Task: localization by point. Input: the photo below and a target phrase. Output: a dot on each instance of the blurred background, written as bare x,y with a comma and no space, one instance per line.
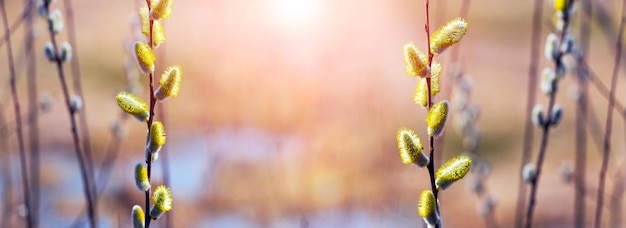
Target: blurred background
289,109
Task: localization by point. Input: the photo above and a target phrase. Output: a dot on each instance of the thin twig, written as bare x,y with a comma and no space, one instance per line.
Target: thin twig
28,9
558,62
618,192
33,112
590,117
581,130
606,24
91,204
604,91
7,196
431,139
9,124
104,175
77,84
535,38
616,203
609,120
542,152
150,118
16,108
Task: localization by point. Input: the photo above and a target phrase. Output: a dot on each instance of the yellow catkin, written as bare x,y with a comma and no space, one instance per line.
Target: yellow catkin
141,177
157,134
158,34
162,9
427,207
145,57
162,199
410,147
453,170
56,21
138,217
421,91
133,105
560,5
170,82
447,35
437,118
145,20
416,61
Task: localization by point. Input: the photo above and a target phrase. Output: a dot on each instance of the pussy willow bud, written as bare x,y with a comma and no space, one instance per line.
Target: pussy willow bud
162,9
476,186
133,105
51,54
486,206
144,14
411,148
470,142
561,70
566,172
421,91
118,130
46,101
447,35
437,118
427,208
567,45
481,169
559,25
76,104
156,140
41,8
529,172
66,52
34,32
548,79
575,93
162,199
138,218
551,49
145,57
556,115
141,177
416,61
561,5
169,83
452,171
56,21
158,34
537,116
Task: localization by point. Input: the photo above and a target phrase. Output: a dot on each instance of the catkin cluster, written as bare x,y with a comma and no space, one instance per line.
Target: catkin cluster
420,65
55,26
151,16
556,48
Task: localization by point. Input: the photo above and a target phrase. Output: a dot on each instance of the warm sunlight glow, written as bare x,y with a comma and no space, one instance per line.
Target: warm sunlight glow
296,13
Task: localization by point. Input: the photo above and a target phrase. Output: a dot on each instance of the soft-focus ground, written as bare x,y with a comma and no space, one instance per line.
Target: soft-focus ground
289,109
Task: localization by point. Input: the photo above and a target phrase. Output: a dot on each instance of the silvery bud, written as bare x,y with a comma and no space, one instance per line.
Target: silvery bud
556,115
529,172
